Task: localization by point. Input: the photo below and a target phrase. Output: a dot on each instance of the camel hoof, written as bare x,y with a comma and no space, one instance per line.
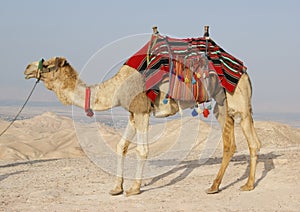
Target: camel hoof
116,191
212,191
131,192
246,188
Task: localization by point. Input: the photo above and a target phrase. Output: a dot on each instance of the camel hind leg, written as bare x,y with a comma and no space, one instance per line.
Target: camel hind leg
254,146
122,148
239,107
229,148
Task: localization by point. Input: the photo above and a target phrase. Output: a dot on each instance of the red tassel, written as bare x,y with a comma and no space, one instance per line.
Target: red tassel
205,112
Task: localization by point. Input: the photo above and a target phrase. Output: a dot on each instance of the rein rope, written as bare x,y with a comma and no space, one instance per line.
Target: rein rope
15,118
40,67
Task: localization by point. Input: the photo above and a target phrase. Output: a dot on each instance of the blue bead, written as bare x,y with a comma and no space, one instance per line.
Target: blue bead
165,101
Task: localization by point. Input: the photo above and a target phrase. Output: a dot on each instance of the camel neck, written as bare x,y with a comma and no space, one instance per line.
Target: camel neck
104,96
101,96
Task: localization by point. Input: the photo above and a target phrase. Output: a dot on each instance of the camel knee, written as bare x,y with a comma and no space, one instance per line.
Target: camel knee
142,151
130,130
229,150
142,148
253,151
232,148
122,147
250,134
228,134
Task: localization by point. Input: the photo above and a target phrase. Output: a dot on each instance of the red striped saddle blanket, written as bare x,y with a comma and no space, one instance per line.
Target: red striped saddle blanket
185,64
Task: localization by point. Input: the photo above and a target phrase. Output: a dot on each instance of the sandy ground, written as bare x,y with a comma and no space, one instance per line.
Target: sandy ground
42,168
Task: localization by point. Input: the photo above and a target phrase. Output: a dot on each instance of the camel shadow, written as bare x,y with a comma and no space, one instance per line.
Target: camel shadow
189,166
27,162
4,176
266,159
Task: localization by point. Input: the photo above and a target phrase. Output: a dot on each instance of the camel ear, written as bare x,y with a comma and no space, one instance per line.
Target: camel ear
60,62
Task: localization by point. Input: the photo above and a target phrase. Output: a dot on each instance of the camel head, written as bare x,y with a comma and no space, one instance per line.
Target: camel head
56,73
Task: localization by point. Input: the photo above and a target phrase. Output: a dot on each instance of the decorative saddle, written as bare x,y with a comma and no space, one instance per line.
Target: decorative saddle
185,64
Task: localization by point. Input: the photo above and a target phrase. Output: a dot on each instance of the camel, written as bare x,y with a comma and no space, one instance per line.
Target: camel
126,89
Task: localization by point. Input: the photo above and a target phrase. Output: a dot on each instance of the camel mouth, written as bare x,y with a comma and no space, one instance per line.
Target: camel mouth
30,71
29,75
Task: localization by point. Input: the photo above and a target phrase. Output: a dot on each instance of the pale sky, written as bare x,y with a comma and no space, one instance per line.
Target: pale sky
263,34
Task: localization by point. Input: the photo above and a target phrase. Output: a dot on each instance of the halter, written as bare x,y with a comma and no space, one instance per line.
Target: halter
41,69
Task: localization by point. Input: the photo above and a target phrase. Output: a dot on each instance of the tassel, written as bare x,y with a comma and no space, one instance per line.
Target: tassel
194,113
193,81
205,112
186,80
165,101
89,113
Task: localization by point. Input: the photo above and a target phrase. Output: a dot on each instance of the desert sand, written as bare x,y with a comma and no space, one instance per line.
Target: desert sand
43,168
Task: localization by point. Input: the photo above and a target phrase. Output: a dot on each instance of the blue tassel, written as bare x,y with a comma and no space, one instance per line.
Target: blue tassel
193,80
165,101
194,113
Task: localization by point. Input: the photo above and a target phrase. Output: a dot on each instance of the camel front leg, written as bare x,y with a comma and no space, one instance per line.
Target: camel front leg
142,149
122,149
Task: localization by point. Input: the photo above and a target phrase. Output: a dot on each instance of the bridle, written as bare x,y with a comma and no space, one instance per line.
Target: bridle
41,69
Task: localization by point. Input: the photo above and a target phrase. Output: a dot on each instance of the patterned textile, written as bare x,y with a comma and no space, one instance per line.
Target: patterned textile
186,64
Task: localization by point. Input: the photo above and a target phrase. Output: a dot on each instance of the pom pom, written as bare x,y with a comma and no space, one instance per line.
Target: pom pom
193,81
198,75
186,80
194,113
205,112
89,112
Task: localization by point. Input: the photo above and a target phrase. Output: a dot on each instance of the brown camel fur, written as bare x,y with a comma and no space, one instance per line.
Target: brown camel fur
126,89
